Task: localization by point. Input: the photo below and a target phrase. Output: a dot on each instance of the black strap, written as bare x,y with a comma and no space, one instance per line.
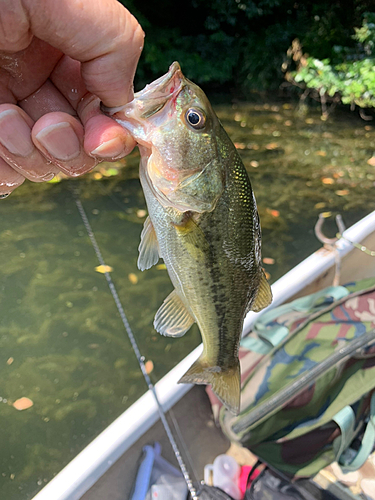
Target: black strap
253,469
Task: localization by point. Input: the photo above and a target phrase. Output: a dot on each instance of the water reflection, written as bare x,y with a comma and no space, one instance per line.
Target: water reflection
61,338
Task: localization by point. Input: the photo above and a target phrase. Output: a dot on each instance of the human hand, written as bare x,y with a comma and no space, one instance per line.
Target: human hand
57,61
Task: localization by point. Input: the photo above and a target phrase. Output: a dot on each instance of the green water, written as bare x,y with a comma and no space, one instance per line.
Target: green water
62,343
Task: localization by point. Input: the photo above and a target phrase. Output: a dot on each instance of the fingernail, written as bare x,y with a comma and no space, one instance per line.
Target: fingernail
48,177
15,133
60,141
111,149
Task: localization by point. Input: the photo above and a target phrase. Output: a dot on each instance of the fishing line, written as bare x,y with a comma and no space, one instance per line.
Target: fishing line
177,428
137,352
174,421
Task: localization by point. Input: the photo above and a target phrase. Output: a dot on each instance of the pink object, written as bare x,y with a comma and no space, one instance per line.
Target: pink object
244,474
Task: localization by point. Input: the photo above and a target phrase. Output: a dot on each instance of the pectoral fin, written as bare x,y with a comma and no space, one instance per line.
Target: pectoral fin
194,239
226,383
173,319
264,295
148,247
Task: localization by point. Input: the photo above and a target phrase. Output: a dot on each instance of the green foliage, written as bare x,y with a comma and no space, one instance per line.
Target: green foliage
240,43
353,80
366,33
358,82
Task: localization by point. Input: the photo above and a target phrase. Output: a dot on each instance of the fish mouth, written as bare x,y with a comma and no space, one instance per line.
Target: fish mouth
165,86
152,98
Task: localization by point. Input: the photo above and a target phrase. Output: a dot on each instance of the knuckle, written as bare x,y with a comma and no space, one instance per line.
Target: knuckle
15,34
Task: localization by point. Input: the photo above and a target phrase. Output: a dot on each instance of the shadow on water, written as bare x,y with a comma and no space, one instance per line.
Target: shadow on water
62,343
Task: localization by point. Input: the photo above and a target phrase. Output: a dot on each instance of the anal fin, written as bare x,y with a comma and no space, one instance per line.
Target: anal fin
148,247
226,383
172,318
264,295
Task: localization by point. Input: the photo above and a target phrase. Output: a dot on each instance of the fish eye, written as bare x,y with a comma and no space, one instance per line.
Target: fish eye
195,118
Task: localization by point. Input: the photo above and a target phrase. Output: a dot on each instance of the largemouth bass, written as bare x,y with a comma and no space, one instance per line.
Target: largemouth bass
203,222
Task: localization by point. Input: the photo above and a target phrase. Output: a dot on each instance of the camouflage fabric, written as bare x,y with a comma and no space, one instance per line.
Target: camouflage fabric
298,439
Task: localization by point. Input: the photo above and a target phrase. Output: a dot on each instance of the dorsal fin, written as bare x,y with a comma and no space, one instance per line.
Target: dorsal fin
148,247
173,319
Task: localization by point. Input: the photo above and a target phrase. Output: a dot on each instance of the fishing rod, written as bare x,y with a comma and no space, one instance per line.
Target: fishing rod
140,358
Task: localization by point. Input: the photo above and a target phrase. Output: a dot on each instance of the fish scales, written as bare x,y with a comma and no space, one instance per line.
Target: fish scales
203,222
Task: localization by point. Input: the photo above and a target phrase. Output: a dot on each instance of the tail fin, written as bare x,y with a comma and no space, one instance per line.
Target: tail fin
226,384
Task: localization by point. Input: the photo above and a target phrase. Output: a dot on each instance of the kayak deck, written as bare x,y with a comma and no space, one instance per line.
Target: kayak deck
203,441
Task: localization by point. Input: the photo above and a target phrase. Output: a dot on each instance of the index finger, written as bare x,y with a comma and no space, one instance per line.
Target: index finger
101,34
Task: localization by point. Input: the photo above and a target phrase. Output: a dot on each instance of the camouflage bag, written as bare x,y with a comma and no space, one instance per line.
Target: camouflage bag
308,380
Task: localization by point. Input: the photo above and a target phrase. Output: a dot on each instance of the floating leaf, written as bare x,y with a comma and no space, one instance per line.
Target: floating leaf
339,174
161,267
10,361
371,161
320,205
254,163
141,213
268,260
23,404
328,180
288,123
325,215
108,172
240,145
309,121
342,192
320,153
97,176
149,365
273,212
54,180
104,269
272,145
133,278
112,171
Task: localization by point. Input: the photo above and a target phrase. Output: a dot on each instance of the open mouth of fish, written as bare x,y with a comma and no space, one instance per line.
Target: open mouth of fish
150,100
150,108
